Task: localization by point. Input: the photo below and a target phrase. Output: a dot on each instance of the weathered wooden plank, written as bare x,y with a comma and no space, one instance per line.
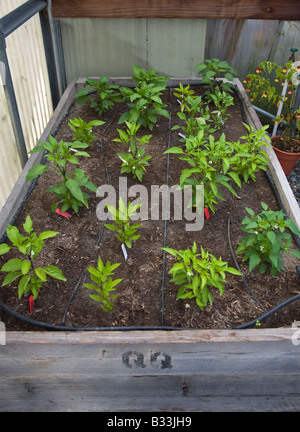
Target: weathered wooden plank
239,9
150,337
152,371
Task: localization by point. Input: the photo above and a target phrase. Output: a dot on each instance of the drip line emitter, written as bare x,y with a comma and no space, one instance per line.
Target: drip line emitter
82,277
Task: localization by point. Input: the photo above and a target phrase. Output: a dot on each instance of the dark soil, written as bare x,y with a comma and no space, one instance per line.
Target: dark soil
146,296
288,145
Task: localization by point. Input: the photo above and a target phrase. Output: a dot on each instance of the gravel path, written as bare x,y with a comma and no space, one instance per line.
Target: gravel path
294,181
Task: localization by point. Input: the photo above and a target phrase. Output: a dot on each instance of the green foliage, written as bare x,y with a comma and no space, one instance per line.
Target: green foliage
134,161
260,86
144,100
197,272
211,71
83,131
124,229
61,154
195,116
149,77
103,284
31,278
250,156
107,94
222,101
210,162
267,239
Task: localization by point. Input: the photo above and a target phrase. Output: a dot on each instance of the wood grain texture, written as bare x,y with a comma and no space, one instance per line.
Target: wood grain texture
239,9
203,370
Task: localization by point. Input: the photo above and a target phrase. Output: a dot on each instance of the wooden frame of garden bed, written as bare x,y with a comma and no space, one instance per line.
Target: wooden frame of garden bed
187,370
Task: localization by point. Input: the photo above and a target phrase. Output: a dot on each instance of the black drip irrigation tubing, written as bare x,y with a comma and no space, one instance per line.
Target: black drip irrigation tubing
82,277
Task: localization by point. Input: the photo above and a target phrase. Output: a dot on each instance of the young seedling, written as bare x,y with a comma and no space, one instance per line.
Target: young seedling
135,161
83,131
267,239
107,94
69,191
197,272
31,277
125,231
103,284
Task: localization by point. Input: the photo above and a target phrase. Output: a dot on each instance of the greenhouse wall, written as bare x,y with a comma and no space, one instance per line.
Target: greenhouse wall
26,57
94,47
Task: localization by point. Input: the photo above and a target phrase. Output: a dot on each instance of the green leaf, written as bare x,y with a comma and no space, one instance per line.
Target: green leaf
54,272
41,274
75,190
12,265
174,150
23,284
28,225
234,271
36,171
176,267
25,267
13,234
47,234
4,248
254,261
272,237
170,251
11,277
292,226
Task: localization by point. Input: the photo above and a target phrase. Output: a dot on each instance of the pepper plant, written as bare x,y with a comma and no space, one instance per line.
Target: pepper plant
82,130
211,70
210,162
31,277
124,229
107,94
250,157
145,101
196,273
222,100
135,160
195,116
103,284
69,191
149,77
267,239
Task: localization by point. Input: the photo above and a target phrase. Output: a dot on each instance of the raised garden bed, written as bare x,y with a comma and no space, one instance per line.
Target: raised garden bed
146,298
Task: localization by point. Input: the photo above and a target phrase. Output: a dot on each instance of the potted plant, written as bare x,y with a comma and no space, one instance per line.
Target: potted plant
286,144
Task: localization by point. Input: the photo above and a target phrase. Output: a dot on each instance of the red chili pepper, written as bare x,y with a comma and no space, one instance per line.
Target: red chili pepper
206,212
64,214
31,303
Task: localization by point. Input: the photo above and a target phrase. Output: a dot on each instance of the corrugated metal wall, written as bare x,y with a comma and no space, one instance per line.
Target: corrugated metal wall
25,52
94,47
